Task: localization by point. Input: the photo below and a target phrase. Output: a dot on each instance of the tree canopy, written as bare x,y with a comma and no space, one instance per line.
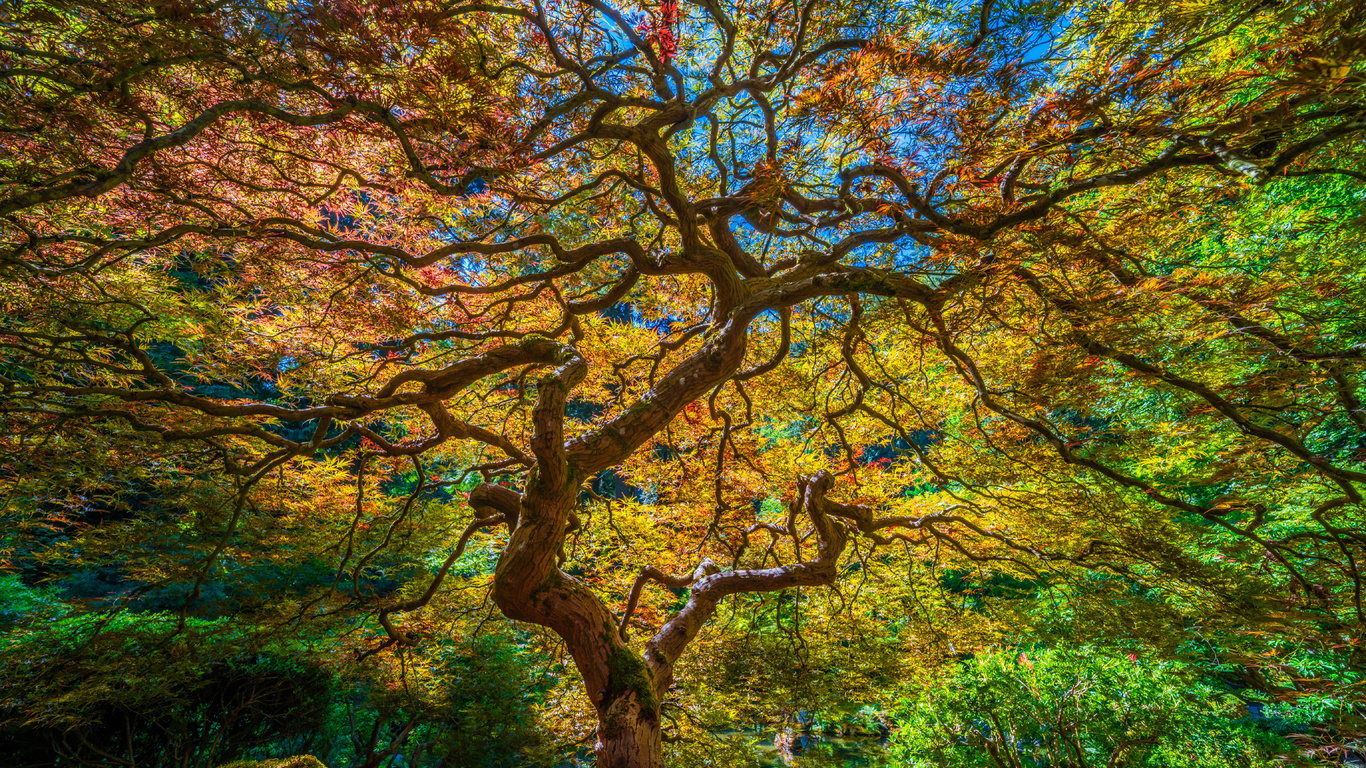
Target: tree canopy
630,314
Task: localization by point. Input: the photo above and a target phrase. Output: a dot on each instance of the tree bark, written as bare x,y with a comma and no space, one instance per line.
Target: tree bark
630,741
529,586
626,688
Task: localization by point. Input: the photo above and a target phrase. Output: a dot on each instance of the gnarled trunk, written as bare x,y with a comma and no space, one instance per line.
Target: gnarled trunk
625,687
529,586
620,684
628,718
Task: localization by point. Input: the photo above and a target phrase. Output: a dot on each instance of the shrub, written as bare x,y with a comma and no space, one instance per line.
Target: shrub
1069,708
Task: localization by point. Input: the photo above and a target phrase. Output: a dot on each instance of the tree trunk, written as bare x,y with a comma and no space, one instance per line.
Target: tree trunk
621,685
628,733
529,586
624,686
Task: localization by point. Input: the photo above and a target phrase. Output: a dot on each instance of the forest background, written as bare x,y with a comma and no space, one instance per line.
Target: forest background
440,383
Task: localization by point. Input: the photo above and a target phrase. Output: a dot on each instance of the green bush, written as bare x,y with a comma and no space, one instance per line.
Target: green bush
1072,708
491,690
76,690
18,600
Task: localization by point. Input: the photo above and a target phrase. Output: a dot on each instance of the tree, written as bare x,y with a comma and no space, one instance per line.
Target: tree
282,279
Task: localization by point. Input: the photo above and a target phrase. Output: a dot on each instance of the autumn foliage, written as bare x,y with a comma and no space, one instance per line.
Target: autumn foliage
837,337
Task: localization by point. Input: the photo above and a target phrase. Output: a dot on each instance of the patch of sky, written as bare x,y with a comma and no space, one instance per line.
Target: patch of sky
902,254
628,313
622,312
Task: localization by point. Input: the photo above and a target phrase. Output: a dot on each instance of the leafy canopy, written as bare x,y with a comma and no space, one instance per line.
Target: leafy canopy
997,319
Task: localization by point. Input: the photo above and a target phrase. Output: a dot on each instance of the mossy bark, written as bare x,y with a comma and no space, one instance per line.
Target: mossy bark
619,682
628,713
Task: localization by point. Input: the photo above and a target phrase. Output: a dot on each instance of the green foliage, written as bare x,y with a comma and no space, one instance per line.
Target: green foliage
785,659
18,599
1068,300
54,672
490,688
162,693
1081,706
75,690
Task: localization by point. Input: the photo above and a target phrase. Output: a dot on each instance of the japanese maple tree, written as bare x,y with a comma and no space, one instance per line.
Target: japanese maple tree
806,281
